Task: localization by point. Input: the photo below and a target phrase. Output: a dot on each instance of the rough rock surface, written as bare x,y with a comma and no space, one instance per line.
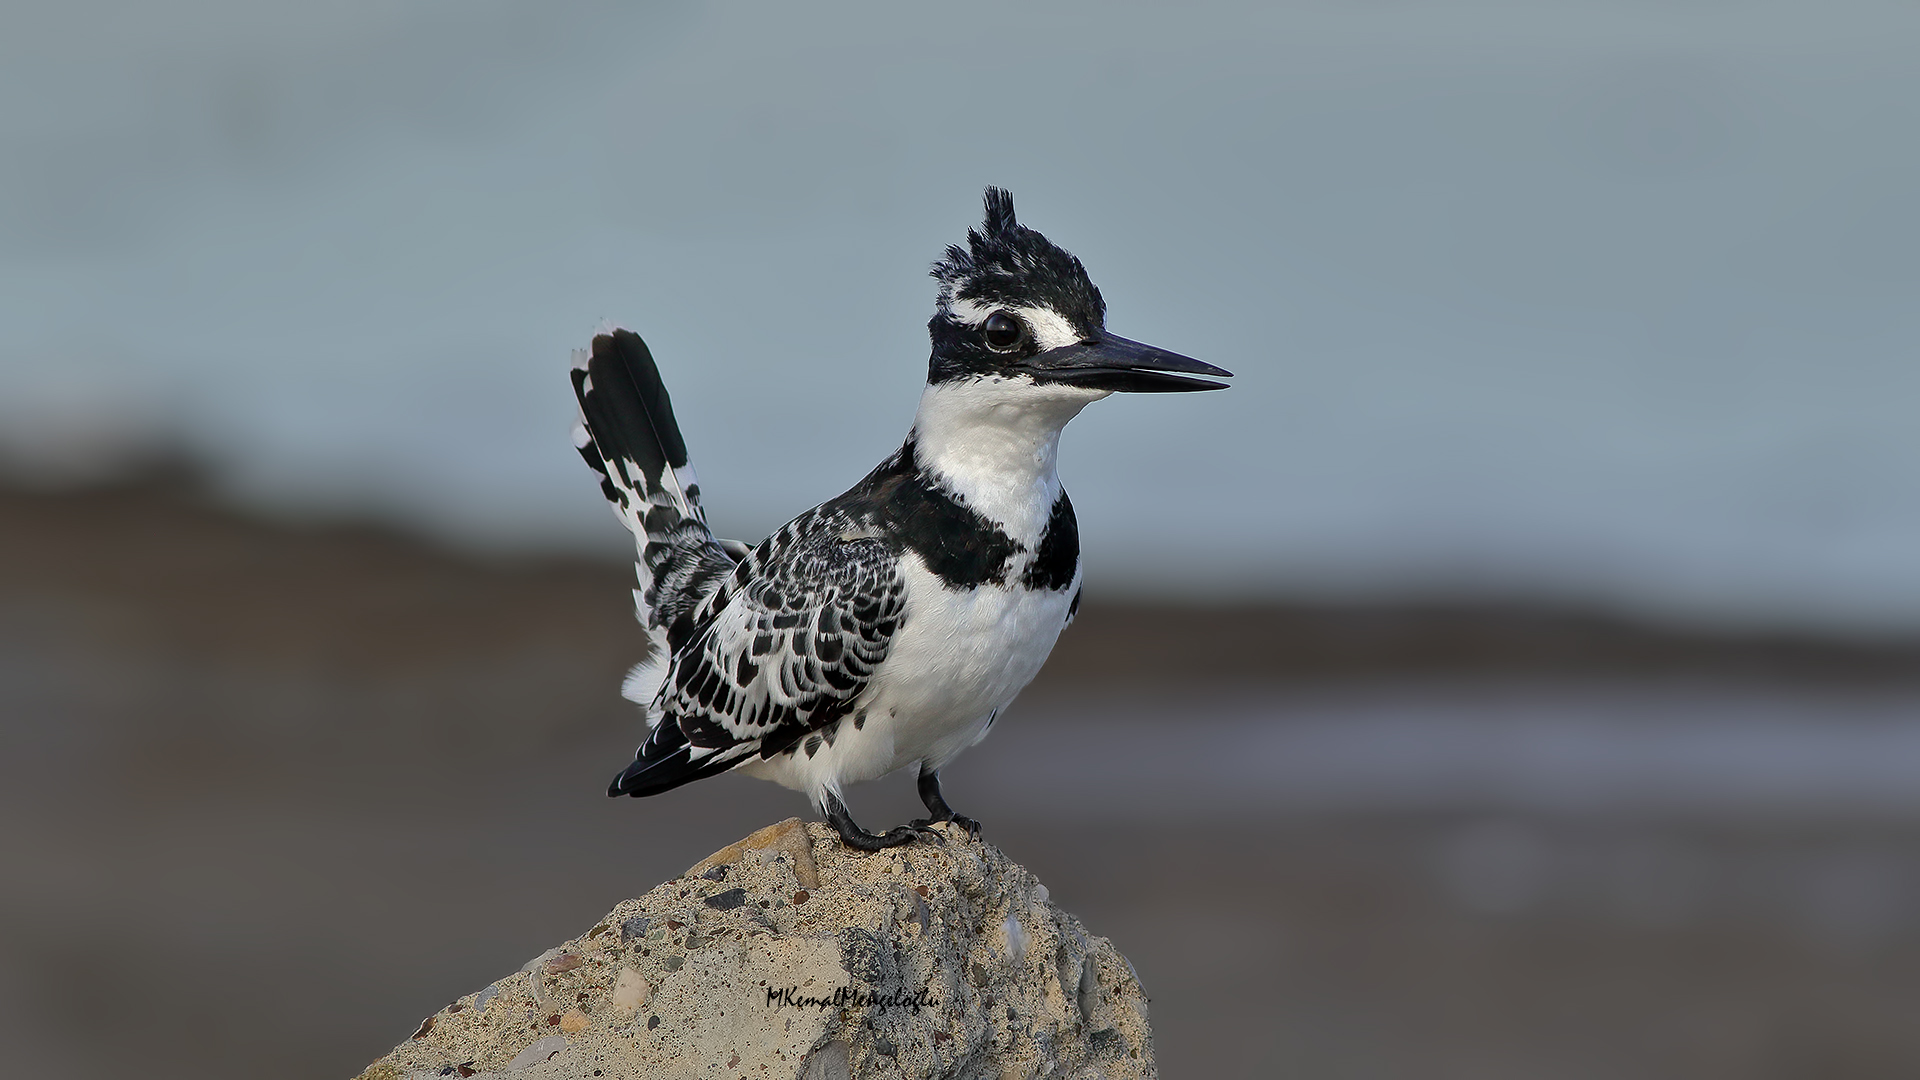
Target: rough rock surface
787,955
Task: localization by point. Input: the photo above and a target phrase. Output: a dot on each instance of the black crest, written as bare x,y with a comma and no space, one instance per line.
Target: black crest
999,217
1005,262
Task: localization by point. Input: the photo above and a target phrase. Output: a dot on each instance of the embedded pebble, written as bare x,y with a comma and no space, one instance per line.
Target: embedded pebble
541,960
1016,942
790,838
540,1051
630,991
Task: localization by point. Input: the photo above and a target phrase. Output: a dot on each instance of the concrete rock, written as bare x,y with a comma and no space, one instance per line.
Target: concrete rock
788,955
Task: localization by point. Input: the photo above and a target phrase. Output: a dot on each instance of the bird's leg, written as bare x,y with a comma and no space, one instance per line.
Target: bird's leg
852,835
937,808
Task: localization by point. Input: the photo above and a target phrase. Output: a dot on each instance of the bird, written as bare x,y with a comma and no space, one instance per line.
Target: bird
889,626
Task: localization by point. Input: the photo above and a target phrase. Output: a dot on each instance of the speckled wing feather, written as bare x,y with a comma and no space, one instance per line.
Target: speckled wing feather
783,650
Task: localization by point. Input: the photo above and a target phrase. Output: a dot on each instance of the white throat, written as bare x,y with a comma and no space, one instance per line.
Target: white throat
995,442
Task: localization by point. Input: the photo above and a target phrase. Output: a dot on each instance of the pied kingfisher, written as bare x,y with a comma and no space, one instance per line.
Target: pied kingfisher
891,625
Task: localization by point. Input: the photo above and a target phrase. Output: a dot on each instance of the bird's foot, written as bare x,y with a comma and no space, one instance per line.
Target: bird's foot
937,809
971,826
852,835
862,840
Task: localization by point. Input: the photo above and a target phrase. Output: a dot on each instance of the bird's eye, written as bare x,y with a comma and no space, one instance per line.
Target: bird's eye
1003,331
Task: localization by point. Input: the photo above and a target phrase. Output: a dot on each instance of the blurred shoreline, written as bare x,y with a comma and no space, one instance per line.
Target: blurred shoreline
129,537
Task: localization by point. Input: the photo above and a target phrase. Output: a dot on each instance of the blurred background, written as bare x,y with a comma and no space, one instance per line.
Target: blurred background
1542,698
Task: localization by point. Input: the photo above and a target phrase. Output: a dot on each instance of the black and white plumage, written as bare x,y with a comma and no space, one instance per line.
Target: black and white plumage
888,626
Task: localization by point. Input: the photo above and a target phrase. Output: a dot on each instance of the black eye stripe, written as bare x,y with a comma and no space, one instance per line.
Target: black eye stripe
1003,331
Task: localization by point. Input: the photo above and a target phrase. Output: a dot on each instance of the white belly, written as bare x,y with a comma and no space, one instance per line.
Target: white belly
960,657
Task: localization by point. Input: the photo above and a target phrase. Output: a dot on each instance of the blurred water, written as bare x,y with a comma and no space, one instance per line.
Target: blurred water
1415,897
1590,298
1705,750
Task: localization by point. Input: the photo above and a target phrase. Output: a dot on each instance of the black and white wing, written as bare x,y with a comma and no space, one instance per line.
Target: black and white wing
782,651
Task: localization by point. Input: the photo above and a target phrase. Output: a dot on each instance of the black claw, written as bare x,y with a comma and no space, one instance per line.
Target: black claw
863,841
925,827
852,835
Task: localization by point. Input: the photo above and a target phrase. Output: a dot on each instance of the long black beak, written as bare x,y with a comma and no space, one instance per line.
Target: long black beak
1111,362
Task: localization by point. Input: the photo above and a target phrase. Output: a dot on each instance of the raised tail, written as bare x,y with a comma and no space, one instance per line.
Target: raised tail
627,432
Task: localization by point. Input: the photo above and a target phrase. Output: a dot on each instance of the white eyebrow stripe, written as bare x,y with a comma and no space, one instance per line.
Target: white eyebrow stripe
1051,330
972,312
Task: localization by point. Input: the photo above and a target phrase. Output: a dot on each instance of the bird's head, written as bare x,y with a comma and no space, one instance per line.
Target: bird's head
1016,308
